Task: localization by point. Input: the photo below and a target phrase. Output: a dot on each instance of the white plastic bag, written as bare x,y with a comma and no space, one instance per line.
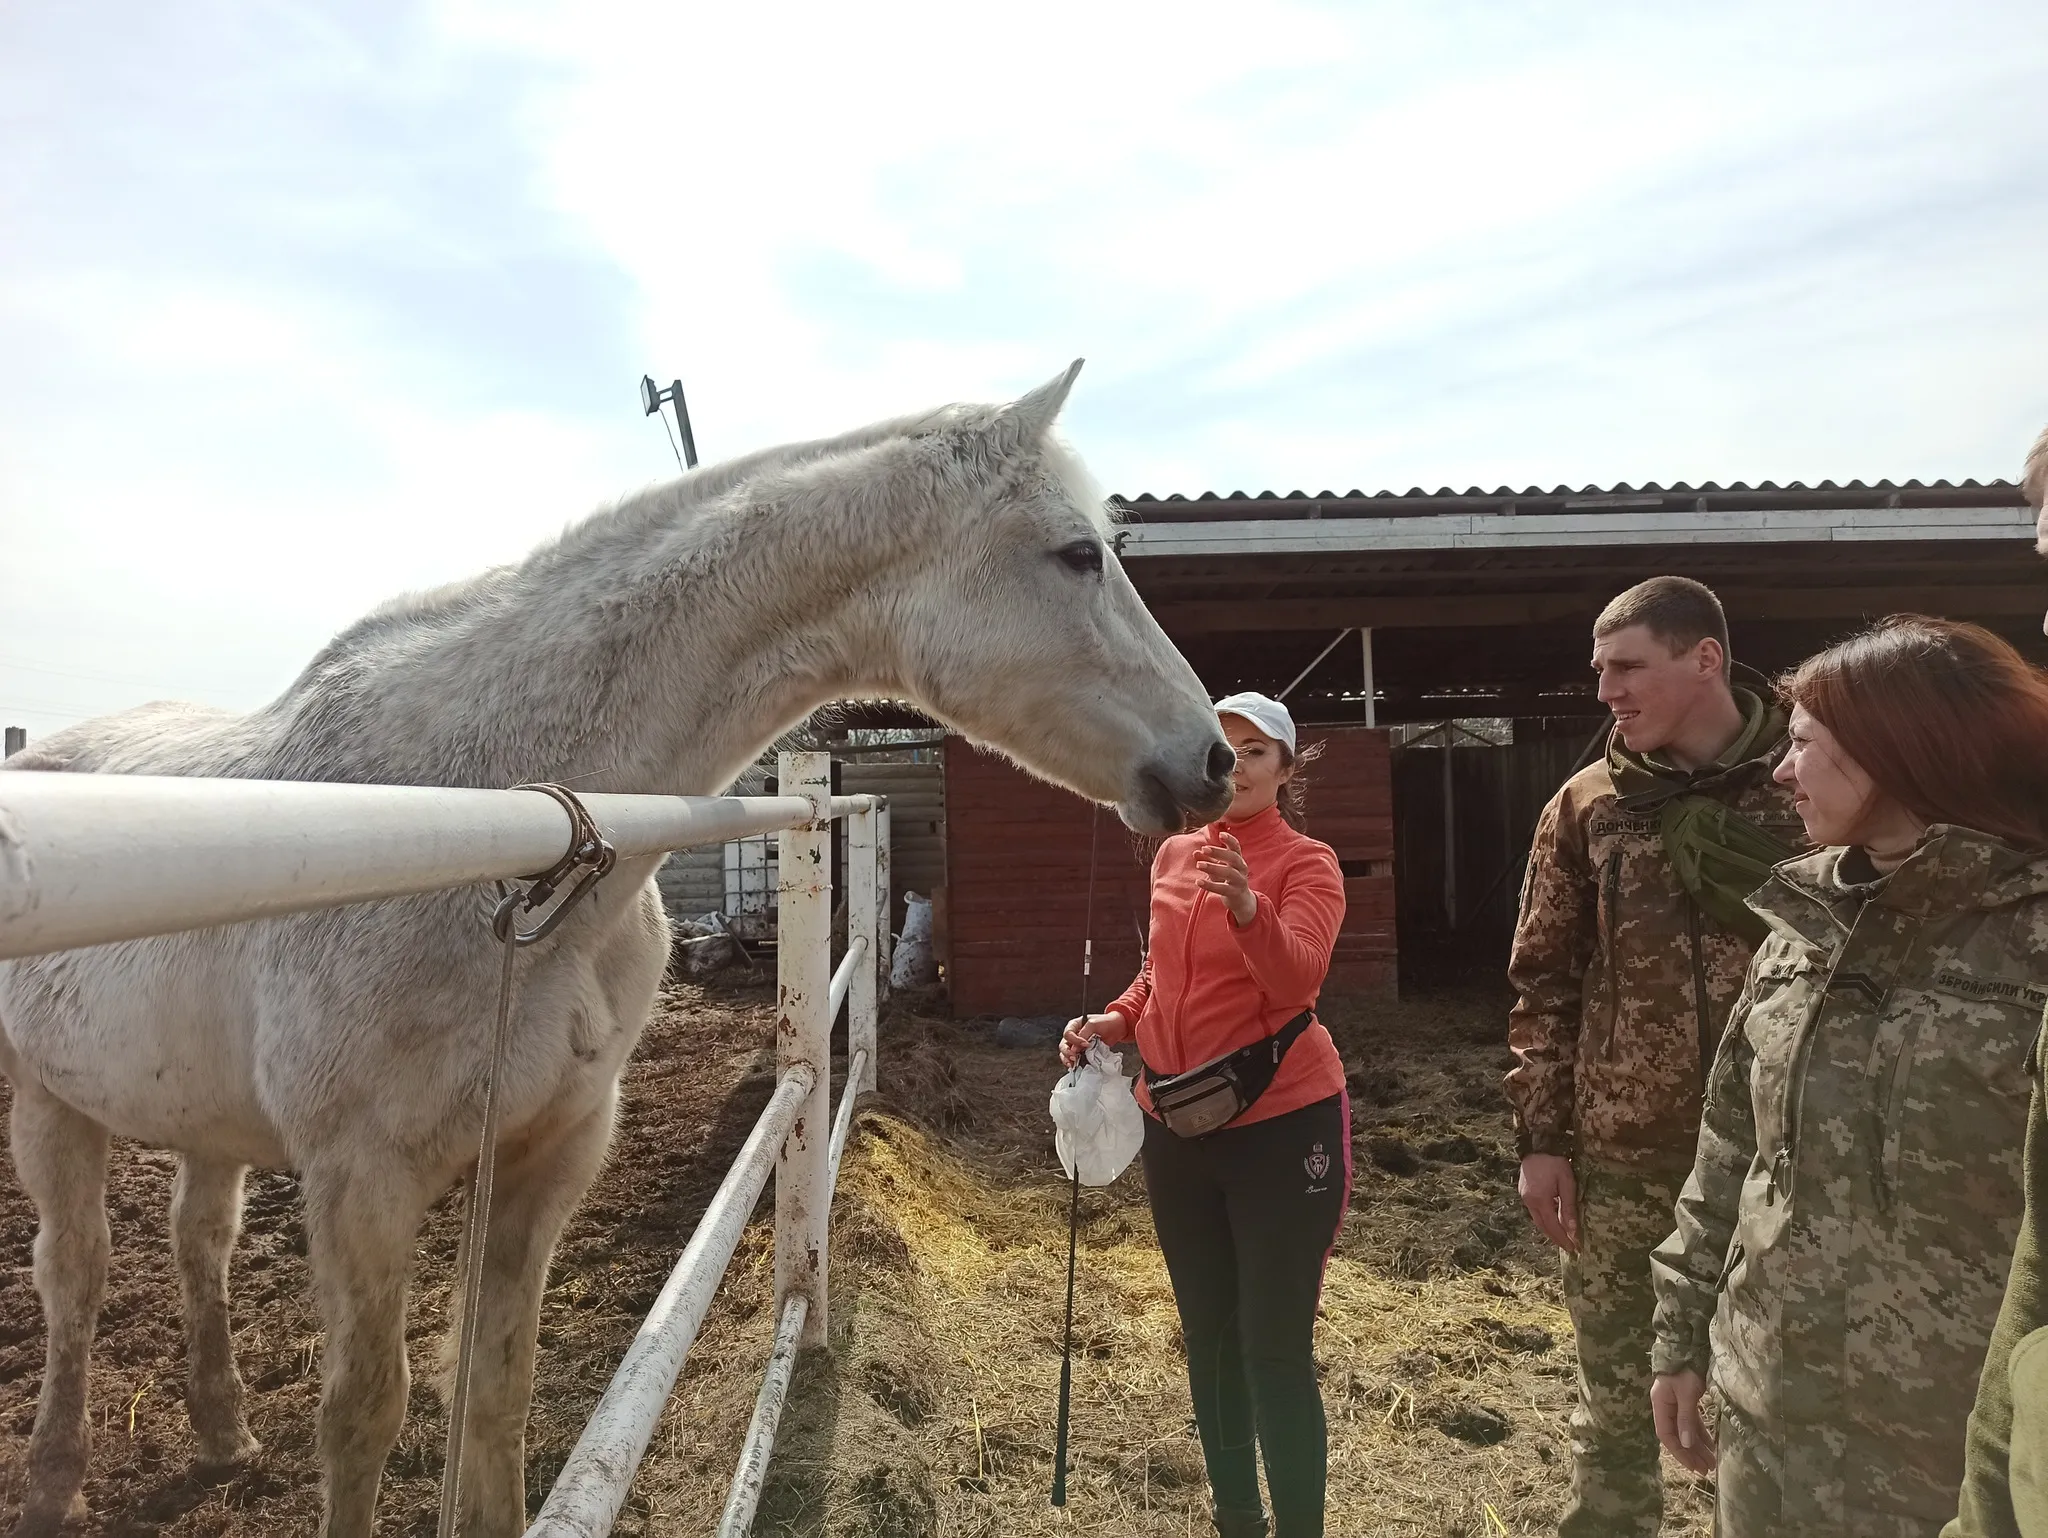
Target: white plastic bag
913,964
1097,1123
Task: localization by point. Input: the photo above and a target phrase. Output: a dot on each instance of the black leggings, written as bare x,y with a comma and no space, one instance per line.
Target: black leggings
1246,1218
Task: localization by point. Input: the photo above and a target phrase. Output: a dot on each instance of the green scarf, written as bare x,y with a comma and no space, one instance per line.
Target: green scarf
1720,855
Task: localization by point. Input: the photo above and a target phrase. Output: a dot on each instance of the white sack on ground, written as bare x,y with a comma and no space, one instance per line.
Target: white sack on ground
914,965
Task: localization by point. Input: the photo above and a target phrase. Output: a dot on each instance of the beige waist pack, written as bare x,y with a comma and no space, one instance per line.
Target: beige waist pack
1204,1099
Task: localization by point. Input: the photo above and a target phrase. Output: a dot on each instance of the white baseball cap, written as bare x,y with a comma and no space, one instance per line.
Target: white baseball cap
1268,715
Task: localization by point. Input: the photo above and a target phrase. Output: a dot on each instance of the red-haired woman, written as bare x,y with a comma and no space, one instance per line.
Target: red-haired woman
1843,1239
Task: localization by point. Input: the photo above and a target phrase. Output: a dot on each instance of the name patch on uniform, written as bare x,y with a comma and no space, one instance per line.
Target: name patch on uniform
2006,991
1608,827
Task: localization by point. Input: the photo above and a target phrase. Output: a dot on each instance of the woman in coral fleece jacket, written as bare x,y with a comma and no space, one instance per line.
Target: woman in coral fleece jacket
1244,913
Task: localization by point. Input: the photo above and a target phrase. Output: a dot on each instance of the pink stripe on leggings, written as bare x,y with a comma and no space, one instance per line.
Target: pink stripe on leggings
1344,1113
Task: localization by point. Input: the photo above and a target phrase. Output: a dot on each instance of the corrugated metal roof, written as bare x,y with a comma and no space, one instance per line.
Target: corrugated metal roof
1710,496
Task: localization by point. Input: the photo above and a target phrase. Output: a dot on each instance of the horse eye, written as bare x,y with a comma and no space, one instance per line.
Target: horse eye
1084,556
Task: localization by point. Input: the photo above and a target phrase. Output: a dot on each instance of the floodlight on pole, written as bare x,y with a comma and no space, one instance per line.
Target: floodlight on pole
651,397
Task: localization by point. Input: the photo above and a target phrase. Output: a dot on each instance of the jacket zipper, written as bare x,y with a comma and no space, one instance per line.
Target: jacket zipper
1729,1262
1889,1138
1187,972
1782,1162
1612,884
1699,992
1889,1109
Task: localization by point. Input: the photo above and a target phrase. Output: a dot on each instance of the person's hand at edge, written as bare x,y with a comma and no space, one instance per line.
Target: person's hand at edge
1675,1405
1080,1031
1551,1193
1225,873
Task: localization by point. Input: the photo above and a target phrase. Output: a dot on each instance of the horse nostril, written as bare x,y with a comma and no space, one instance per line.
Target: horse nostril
1221,761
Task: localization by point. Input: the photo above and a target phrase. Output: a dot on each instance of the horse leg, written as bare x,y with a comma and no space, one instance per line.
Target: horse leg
361,1219
61,1157
537,1187
206,1215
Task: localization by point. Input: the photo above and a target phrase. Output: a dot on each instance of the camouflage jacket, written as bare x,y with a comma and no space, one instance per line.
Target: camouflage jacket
2005,1456
1622,982
1843,1239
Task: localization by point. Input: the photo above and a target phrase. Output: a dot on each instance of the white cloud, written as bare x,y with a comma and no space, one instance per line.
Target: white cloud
349,302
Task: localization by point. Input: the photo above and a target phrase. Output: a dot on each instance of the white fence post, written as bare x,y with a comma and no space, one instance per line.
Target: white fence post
885,949
803,1035
863,895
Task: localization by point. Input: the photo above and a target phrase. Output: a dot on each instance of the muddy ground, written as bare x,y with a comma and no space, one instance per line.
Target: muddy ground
1445,1353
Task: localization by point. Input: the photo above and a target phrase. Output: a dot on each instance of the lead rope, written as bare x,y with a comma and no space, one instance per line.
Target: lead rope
1059,1454
592,854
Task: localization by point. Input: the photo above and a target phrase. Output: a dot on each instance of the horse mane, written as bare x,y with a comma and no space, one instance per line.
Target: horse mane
667,504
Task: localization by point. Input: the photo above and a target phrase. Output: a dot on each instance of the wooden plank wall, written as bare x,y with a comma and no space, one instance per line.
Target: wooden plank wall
1350,791
917,823
1017,891
692,881
1017,856
1497,794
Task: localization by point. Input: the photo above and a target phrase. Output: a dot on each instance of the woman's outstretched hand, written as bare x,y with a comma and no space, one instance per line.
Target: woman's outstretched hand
1079,1032
1225,873
1675,1405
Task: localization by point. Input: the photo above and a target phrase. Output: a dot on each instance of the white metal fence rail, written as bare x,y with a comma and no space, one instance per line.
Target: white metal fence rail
89,859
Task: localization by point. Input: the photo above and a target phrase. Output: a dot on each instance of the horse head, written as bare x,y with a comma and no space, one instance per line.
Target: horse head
1021,628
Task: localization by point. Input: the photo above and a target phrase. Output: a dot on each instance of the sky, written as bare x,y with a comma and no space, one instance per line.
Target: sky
305,305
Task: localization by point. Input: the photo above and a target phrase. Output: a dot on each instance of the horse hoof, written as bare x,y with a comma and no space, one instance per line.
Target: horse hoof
217,1467
47,1523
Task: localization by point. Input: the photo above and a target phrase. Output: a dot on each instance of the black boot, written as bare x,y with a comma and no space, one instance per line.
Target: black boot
1241,1524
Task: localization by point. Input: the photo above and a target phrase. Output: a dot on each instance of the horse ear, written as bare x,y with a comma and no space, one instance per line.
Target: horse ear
1028,418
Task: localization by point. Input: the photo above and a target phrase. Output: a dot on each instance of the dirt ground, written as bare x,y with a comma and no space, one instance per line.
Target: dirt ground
1444,1349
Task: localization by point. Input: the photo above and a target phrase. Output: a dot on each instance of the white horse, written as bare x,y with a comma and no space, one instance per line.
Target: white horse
957,559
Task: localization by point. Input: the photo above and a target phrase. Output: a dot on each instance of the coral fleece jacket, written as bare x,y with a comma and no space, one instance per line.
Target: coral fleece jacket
1209,987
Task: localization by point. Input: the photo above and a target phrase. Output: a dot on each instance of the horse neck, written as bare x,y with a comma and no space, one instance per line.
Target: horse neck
656,649
786,617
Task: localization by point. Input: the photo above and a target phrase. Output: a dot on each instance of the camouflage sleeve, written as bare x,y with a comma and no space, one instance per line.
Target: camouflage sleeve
1986,1506
1690,1265
1554,939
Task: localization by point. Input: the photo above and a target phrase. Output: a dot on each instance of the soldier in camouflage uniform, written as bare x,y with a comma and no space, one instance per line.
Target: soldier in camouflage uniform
2005,1473
1624,981
1843,1239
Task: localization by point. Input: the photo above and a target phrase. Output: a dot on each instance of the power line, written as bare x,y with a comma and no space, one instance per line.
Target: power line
104,678
44,707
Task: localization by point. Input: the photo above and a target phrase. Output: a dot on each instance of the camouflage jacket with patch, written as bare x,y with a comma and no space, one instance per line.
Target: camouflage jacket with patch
1622,982
1843,1239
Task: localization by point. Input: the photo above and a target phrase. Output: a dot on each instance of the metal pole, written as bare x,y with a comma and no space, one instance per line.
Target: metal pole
1298,677
842,1123
837,844
744,1498
86,859
803,1040
885,899
863,894
675,396
1450,834
17,739
1365,640
850,966
593,1483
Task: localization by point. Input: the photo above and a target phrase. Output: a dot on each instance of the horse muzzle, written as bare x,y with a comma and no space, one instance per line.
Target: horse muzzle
1169,799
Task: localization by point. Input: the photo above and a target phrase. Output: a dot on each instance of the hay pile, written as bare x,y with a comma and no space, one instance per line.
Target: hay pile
1444,1348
